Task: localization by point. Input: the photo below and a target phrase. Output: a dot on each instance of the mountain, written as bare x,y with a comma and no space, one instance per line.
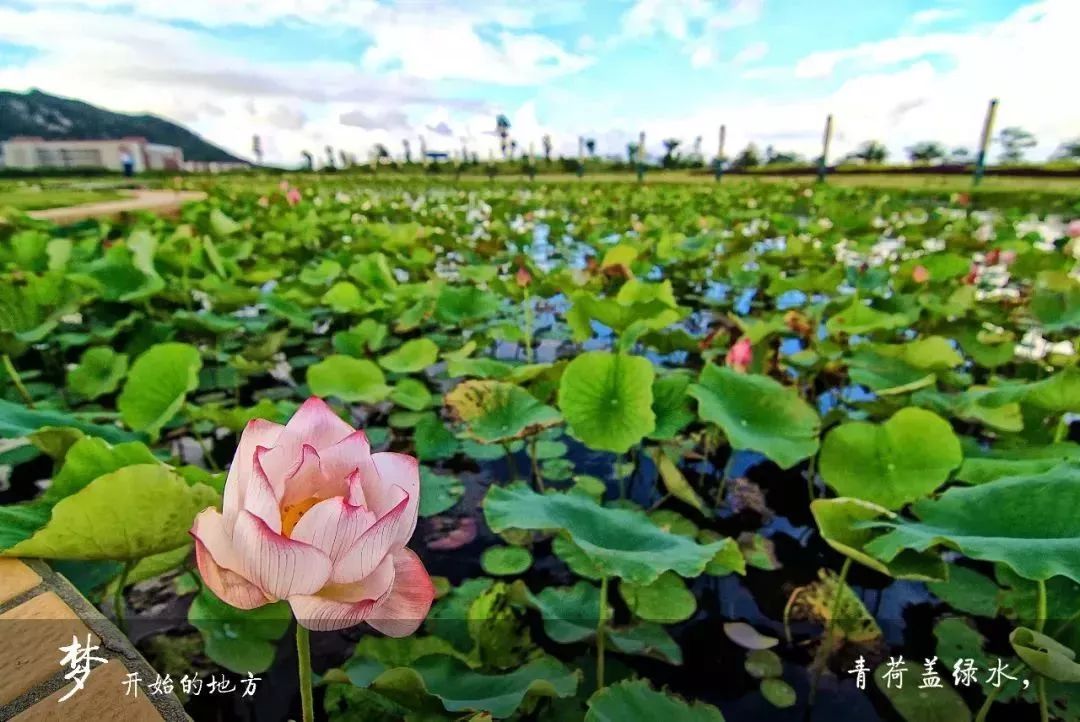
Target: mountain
48,116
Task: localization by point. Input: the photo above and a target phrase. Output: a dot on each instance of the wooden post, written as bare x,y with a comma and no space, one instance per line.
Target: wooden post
580,156
718,166
826,140
984,142
530,164
641,157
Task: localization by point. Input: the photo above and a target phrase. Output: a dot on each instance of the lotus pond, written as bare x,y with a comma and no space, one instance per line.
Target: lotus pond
688,452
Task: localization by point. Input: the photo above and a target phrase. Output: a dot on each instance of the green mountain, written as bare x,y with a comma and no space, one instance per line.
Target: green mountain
48,116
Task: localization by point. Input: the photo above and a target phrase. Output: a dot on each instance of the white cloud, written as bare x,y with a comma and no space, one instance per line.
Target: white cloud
751,53
697,24
934,15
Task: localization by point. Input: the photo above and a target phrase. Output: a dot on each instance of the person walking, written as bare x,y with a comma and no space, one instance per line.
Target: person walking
128,162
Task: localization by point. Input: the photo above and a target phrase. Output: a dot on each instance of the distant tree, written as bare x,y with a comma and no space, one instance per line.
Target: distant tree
631,152
380,152
547,147
926,151
748,157
960,154
590,147
1069,150
782,157
1015,141
502,129
309,160
872,151
408,150
670,144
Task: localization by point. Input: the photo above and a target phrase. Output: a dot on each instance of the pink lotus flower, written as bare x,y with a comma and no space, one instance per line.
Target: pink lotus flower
283,186
293,196
264,202
311,516
1073,229
920,274
740,355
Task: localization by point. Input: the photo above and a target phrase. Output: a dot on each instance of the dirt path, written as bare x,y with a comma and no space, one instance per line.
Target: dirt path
152,201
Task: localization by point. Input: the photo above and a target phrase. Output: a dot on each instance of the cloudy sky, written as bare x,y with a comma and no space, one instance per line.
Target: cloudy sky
350,73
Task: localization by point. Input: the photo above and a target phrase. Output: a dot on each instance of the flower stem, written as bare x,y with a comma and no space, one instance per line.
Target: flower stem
601,634
1040,624
118,597
535,466
830,626
303,657
510,463
17,380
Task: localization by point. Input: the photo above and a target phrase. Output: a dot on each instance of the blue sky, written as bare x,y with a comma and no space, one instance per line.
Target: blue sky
352,73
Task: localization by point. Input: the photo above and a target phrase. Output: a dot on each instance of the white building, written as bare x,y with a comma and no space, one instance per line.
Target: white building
32,153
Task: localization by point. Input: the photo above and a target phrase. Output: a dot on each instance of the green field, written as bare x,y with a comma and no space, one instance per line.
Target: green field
32,200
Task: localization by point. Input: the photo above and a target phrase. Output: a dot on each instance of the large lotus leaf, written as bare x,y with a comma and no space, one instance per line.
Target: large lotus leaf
1057,310
983,465
1055,394
839,521
127,514
432,439
636,701
457,305
1045,655
349,379
438,492
1028,523
496,411
99,371
607,399
90,457
240,641
758,413
916,704
666,600
570,614
461,689
969,405
17,421
19,522
344,297
645,639
619,542
411,356
158,385
671,404
858,318
890,464
966,590
885,375
933,353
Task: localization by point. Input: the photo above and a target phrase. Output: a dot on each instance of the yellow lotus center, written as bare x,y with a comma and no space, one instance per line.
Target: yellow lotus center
292,513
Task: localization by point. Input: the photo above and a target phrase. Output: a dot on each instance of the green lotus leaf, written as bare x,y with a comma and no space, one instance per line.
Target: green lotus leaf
607,399
505,561
840,522
914,704
456,305
99,371
411,356
128,514
222,225
349,379
674,480
671,405
858,318
460,689
1025,522
983,465
17,421
1058,393
636,701
778,693
619,542
1045,655
344,297
240,641
496,411
1057,310
411,394
433,440
322,274
967,590
90,457
933,353
890,464
758,413
438,492
665,600
763,664
157,386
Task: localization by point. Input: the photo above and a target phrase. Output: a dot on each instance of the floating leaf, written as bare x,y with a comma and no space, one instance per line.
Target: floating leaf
495,411
158,385
620,542
890,464
438,492
349,379
411,356
763,663
240,641
666,600
747,637
778,693
758,413
505,561
411,394
607,399
916,704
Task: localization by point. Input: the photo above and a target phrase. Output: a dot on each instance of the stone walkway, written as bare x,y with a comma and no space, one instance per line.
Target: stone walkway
40,612
152,201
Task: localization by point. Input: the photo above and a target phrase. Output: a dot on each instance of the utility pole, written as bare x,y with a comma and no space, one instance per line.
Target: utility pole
826,140
984,142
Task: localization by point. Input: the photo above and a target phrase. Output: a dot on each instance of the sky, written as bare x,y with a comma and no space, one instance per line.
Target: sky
304,74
